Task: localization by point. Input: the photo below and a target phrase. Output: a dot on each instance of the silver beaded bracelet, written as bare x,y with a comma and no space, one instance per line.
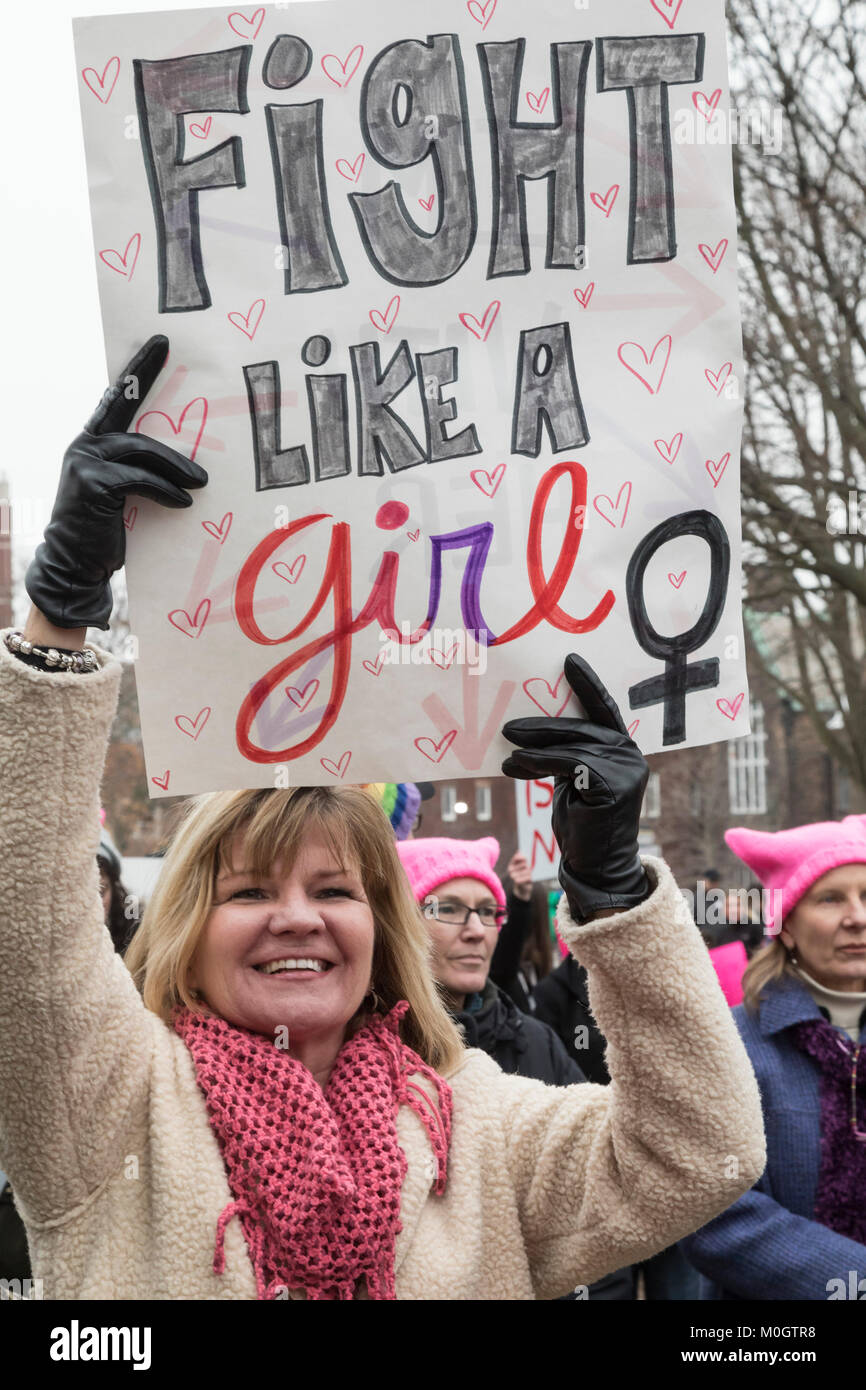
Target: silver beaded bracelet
53,660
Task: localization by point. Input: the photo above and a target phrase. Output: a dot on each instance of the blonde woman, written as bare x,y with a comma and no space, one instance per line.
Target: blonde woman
801,1232
275,1103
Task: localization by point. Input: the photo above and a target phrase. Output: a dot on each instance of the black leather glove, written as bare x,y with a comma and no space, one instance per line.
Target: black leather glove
85,540
596,820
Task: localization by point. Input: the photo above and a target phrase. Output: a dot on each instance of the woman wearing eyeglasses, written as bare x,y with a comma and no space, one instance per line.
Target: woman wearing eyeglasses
464,906
801,1232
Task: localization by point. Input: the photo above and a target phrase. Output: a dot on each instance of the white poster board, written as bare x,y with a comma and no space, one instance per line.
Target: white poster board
535,837
453,318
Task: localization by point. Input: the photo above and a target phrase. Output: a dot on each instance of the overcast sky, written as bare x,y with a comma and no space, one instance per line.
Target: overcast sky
54,368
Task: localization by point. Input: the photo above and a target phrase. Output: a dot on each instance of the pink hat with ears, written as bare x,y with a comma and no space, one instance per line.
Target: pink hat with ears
431,862
788,862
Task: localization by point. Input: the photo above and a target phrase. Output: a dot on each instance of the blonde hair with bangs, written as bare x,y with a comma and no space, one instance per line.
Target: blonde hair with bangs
275,824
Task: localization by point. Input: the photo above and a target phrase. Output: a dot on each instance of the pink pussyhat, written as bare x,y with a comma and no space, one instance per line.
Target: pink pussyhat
730,962
431,862
788,862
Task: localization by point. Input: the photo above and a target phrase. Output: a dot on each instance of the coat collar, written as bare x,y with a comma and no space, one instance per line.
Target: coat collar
784,1004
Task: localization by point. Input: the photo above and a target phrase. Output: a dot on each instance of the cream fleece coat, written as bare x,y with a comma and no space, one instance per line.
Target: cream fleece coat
105,1136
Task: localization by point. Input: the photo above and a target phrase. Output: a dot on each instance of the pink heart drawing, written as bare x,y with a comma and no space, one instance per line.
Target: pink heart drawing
438,750
177,429
707,105
302,698
341,73
538,103
668,9
427,203
714,257
606,202
717,470
731,708
614,506
220,532
677,579
352,172
129,519
163,780
385,322
635,359
287,572
193,727
669,451
482,14
337,769
247,23
100,81
718,379
552,691
488,483
481,329
413,535
444,660
248,322
115,261
633,728
584,296
201,132
190,627
375,667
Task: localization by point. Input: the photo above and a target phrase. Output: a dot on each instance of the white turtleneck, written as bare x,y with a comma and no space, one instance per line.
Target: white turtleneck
845,1009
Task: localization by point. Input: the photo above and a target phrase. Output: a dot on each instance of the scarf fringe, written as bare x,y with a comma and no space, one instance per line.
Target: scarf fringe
317,1193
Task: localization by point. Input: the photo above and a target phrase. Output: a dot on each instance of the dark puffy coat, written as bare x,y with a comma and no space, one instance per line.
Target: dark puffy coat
517,1042
562,1001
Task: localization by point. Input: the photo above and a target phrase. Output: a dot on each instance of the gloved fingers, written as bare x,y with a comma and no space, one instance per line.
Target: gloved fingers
118,407
596,699
145,483
546,733
139,450
553,762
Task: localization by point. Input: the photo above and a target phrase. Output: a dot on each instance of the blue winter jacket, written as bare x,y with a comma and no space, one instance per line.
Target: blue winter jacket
766,1246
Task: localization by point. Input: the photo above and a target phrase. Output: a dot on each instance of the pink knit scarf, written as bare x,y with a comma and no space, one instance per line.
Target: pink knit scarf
316,1176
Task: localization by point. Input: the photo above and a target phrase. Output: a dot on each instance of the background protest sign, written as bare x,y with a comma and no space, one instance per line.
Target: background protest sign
535,838
454,330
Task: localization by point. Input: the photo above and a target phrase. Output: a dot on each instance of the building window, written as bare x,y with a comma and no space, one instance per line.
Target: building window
652,801
448,802
483,802
843,792
747,769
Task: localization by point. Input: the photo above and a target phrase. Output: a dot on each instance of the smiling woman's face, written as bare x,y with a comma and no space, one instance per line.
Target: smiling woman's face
292,950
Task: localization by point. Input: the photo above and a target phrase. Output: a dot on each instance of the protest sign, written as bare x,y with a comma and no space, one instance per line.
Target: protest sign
535,838
452,310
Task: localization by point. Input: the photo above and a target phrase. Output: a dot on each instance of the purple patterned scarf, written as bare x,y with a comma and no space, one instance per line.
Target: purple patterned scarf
839,1199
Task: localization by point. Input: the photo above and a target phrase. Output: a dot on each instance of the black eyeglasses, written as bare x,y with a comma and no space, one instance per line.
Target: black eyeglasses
457,914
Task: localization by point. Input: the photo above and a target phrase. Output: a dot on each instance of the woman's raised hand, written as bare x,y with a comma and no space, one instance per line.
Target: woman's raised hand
85,540
601,776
